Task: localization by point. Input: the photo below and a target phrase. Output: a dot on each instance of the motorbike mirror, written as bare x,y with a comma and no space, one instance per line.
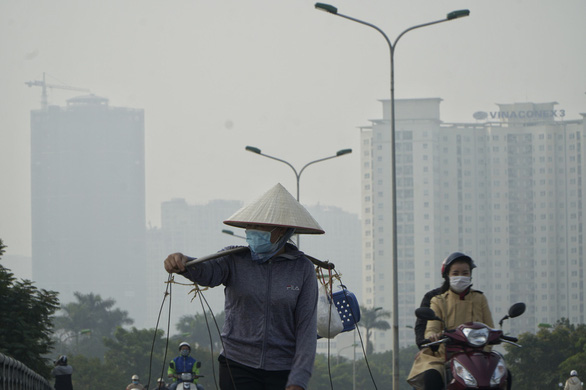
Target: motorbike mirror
425,313
198,364
516,310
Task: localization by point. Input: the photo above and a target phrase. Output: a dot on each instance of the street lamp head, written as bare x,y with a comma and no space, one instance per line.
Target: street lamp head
327,8
343,152
253,149
230,232
458,14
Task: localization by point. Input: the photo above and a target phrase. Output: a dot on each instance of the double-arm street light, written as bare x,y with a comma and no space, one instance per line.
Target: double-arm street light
451,16
339,153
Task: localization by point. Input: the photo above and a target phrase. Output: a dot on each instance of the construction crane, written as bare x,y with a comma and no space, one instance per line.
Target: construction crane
44,85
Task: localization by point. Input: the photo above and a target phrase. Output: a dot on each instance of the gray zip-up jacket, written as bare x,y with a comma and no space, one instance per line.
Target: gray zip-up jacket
271,320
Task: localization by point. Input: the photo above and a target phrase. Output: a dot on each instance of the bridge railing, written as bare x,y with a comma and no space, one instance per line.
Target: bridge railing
16,376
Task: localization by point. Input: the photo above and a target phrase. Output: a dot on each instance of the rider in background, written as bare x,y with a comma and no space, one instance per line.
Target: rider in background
183,363
573,382
457,303
161,385
135,384
62,373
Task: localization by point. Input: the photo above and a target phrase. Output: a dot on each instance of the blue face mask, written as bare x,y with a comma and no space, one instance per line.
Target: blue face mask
185,352
259,241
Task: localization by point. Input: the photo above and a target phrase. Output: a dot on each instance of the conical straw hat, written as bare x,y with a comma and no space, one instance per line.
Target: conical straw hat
276,207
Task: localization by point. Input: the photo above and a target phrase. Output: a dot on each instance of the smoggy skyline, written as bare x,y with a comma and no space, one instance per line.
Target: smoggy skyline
286,78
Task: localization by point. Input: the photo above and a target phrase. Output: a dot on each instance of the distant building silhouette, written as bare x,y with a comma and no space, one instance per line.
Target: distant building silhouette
20,266
195,230
340,244
88,201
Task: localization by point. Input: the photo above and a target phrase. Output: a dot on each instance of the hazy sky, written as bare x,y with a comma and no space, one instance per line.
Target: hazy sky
215,76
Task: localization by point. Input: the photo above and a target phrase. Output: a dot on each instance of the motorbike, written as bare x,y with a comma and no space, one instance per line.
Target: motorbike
468,366
187,381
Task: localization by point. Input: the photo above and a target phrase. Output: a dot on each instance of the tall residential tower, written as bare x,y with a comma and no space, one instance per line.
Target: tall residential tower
506,189
88,201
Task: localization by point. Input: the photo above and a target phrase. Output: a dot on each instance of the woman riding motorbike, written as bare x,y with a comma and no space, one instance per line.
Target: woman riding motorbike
457,303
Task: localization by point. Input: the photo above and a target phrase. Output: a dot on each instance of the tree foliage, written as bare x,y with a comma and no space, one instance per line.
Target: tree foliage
370,319
373,372
82,325
199,328
128,352
548,356
91,373
26,320
136,351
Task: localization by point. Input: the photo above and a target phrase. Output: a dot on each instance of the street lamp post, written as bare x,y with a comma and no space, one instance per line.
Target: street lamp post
353,346
346,347
231,233
451,16
339,153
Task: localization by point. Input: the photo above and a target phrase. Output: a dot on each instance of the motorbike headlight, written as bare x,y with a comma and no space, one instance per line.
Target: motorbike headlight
463,373
476,337
499,372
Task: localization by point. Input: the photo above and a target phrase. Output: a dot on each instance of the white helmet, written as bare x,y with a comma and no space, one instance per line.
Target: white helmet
573,373
160,380
184,344
135,377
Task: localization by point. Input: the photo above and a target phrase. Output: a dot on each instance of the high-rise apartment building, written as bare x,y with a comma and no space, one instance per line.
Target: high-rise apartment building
506,189
88,201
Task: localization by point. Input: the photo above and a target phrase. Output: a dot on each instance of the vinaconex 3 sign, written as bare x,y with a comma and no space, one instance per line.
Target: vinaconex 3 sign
523,114
527,114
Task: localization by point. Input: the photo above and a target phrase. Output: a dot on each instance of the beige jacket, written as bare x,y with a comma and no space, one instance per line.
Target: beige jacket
454,311
573,383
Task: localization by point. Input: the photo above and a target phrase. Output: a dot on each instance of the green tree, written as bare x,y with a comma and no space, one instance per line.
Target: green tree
547,356
26,320
129,353
198,329
82,325
91,373
372,318
377,373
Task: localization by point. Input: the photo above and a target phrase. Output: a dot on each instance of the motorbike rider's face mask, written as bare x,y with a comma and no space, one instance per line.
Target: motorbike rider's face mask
185,352
460,283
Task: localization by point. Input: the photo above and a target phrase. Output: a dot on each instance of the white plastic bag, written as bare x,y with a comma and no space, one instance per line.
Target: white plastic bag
329,323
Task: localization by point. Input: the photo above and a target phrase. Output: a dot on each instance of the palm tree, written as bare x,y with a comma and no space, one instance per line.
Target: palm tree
82,324
372,318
